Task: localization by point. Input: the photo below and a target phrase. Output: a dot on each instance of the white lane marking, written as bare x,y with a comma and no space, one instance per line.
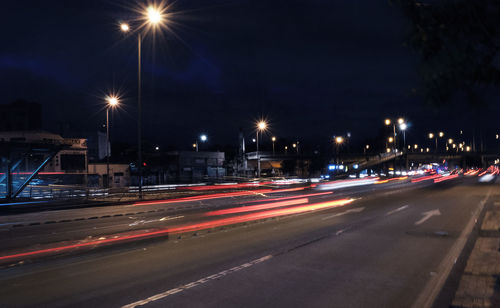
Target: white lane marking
428,295
397,210
340,232
196,283
356,210
428,215
143,222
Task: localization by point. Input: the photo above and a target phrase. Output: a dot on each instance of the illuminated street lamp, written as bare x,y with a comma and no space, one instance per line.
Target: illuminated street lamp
450,141
286,149
440,134
153,16
261,126
112,102
391,139
402,127
203,138
273,139
338,141
366,148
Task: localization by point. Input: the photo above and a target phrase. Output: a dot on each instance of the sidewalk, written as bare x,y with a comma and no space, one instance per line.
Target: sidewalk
480,283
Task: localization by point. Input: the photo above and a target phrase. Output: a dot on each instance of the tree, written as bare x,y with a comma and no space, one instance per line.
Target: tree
458,43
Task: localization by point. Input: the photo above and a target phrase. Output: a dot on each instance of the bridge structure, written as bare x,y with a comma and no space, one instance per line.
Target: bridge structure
23,155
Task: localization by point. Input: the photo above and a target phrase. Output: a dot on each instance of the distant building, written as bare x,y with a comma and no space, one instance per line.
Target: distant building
119,175
67,166
20,116
182,166
96,143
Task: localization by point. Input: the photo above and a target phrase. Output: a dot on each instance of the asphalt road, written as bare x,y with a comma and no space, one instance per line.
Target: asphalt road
391,245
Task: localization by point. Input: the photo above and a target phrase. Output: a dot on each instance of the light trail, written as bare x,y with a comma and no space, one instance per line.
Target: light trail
291,197
190,227
258,207
424,178
445,178
205,197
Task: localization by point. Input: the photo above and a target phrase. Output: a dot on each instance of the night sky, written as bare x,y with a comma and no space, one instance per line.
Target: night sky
313,68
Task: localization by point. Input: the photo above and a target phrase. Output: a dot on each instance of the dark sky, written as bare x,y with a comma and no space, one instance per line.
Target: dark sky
312,68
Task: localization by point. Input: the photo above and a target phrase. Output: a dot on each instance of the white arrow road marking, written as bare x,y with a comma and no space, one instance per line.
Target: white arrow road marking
428,215
397,210
356,210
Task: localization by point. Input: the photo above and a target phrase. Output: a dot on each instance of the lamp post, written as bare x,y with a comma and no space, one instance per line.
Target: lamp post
402,126
338,141
203,138
261,126
273,139
431,136
112,102
153,17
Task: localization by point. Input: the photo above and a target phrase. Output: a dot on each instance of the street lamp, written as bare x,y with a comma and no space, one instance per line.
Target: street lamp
112,103
338,141
261,126
203,138
402,127
273,139
152,17
440,134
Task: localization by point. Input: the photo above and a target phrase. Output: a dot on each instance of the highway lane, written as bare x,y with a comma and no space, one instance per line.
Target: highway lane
369,253
29,231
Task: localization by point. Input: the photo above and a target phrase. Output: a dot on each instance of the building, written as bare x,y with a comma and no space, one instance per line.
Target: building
119,175
183,167
56,160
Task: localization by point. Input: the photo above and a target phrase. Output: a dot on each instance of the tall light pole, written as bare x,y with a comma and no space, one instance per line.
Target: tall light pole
273,139
403,126
112,102
153,18
399,121
261,126
203,138
431,136
338,141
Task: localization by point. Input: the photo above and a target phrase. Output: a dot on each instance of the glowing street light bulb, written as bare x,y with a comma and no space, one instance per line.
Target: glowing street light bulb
339,140
391,139
124,27
402,126
112,101
415,146
294,145
441,134
450,141
261,125
431,135
273,139
401,121
203,138
387,122
153,15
